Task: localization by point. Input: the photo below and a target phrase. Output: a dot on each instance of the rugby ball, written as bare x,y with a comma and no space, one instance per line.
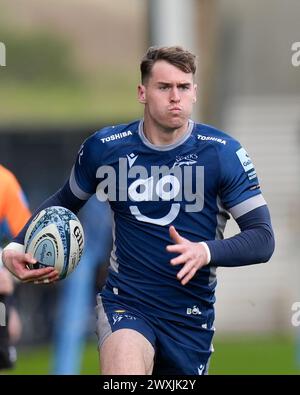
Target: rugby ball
55,238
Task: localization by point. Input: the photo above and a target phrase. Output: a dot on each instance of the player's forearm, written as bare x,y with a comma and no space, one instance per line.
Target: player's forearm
63,197
255,243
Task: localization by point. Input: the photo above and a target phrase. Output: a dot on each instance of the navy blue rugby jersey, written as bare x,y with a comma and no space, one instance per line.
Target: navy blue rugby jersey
192,184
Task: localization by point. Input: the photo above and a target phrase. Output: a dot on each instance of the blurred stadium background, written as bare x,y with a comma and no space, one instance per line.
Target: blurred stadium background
72,67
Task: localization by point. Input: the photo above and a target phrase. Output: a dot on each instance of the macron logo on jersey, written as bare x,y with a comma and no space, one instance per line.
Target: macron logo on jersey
200,369
245,159
116,136
131,159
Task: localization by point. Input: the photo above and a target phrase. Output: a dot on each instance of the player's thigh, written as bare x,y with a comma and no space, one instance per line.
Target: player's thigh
126,351
182,349
126,340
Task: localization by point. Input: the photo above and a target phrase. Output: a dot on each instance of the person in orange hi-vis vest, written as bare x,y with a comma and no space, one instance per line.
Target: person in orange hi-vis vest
14,213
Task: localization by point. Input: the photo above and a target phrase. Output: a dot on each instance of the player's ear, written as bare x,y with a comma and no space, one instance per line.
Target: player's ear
195,93
142,94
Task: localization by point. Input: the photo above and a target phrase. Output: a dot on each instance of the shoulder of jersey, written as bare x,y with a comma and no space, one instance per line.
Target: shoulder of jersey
209,135
115,135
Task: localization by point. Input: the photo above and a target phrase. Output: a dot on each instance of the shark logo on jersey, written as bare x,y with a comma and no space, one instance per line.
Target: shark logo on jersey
186,160
245,159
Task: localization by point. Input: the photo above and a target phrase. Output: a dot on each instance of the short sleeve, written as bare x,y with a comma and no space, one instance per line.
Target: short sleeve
240,189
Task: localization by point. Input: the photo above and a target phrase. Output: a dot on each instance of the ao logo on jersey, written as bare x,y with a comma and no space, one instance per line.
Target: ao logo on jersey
176,188
145,190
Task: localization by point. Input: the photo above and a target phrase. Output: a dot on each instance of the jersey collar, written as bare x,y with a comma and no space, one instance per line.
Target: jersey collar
167,147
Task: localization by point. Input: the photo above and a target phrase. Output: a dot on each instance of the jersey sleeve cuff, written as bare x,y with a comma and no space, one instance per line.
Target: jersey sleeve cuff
15,246
207,251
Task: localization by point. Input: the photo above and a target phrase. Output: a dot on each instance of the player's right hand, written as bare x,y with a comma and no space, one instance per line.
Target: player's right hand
18,264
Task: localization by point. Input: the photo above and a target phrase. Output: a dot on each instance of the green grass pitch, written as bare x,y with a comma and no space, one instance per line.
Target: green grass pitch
239,355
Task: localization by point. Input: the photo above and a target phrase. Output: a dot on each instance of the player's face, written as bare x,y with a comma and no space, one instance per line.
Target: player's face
168,95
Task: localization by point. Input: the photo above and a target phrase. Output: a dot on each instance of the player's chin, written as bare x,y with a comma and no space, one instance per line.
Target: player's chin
177,122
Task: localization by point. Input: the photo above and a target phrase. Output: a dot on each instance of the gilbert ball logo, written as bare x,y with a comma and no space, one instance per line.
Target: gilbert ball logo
2,54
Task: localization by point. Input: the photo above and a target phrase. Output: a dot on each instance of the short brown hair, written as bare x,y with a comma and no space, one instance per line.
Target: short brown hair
177,56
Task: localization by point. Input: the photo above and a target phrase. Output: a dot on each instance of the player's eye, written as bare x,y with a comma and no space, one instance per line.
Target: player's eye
164,87
184,87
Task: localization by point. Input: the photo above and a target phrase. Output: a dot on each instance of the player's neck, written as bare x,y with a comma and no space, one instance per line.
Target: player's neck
159,135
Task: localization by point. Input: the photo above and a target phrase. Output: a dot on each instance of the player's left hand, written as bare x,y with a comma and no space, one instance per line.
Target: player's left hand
192,256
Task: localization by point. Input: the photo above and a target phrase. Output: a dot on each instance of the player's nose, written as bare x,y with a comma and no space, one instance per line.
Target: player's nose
174,95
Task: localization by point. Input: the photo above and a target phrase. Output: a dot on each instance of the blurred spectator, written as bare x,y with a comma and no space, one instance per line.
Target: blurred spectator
14,213
77,293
